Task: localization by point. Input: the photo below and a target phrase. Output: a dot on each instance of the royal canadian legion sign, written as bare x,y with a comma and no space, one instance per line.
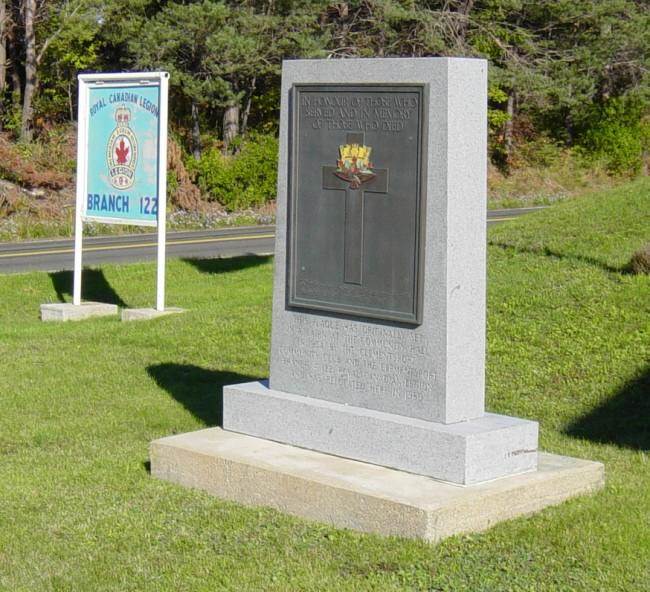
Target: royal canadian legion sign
122,149
122,157
356,206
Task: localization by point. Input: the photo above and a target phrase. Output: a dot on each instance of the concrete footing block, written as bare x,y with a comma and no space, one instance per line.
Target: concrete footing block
360,496
65,311
145,314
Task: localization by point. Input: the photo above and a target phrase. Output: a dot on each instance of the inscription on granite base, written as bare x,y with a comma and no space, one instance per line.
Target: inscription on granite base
356,204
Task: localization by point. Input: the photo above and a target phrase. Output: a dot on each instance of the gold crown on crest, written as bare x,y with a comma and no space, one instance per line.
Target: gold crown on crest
355,157
122,114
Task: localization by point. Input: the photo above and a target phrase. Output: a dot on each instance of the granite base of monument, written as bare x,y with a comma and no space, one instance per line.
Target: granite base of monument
146,314
361,496
66,311
465,453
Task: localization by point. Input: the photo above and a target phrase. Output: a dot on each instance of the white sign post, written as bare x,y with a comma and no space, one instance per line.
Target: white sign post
121,166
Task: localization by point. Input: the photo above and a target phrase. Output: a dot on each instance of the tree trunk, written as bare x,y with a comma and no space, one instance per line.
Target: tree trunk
230,124
16,80
568,126
70,103
247,109
464,9
3,56
508,128
16,87
29,11
196,132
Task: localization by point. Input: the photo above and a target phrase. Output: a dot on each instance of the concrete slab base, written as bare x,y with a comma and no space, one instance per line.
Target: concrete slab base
65,311
466,452
351,494
145,314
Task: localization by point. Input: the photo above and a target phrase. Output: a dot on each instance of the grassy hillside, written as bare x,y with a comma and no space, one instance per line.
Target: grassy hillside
568,345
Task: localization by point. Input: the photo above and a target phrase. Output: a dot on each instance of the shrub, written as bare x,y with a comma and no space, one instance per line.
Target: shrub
640,262
180,186
617,134
542,152
40,164
497,118
242,180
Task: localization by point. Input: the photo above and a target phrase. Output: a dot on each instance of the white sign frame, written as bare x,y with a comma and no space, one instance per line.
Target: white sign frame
106,80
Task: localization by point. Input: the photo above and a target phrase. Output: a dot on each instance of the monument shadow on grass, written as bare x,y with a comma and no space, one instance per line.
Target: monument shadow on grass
553,254
225,265
94,287
199,390
623,420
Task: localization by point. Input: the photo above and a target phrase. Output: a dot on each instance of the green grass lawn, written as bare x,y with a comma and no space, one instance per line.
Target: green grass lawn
568,345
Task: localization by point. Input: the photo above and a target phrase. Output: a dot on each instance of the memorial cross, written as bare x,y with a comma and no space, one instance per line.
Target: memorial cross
354,199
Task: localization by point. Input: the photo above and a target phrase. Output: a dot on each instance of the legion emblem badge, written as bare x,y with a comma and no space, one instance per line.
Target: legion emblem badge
354,165
122,151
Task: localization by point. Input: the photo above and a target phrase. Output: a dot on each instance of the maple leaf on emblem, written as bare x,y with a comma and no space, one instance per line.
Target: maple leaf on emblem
122,152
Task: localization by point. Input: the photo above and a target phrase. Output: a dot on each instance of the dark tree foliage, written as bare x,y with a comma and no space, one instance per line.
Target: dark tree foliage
575,71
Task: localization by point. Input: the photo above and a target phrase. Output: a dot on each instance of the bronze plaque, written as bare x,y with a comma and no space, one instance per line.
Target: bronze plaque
356,199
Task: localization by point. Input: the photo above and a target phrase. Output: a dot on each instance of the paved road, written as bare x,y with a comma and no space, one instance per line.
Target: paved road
57,255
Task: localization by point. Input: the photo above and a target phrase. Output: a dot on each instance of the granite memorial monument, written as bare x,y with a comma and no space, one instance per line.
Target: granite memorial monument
378,336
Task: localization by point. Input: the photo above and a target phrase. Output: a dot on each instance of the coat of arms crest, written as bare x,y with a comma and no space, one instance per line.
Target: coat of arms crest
354,164
122,151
